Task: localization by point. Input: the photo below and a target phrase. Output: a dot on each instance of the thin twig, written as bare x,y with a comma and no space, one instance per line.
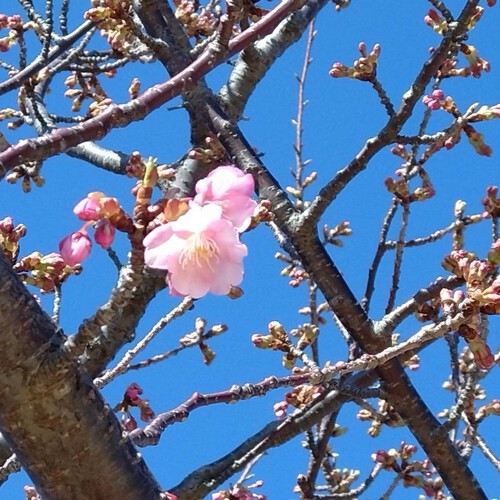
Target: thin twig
372,273
151,434
483,446
124,363
299,129
48,29
392,487
39,63
115,259
398,258
435,236
384,98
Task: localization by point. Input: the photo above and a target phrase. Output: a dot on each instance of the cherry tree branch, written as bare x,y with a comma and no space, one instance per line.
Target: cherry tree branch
152,433
254,62
62,45
124,363
203,480
10,466
117,116
395,123
61,404
302,234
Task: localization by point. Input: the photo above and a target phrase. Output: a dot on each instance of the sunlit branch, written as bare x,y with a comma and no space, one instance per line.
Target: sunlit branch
254,62
48,29
452,341
483,446
56,311
203,480
299,127
435,236
464,394
161,357
70,55
10,466
152,433
390,321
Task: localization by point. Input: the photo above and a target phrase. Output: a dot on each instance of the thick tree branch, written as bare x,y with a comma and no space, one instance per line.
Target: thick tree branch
52,420
344,305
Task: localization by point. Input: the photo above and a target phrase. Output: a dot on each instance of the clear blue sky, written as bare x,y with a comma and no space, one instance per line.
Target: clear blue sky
340,116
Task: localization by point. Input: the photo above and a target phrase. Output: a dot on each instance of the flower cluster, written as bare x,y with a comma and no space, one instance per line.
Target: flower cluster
201,249
433,101
46,272
16,29
482,296
104,214
364,68
10,236
413,473
132,398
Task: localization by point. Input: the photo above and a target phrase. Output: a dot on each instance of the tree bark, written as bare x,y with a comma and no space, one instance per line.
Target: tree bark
62,431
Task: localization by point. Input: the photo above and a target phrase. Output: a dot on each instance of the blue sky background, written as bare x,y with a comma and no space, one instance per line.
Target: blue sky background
341,115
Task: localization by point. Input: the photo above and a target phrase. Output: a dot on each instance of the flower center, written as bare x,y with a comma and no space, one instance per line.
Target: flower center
199,251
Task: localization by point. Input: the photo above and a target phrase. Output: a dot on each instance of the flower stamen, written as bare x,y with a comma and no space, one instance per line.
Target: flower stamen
199,250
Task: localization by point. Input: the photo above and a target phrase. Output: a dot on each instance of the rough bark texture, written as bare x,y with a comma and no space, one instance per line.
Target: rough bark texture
53,417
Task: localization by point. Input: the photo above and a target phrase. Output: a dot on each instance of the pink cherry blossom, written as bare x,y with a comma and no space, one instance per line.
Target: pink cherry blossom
104,233
87,209
201,250
75,247
230,188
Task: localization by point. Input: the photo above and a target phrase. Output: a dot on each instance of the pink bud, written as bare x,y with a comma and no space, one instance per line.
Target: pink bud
482,354
87,209
280,409
433,101
104,233
133,391
6,225
75,247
